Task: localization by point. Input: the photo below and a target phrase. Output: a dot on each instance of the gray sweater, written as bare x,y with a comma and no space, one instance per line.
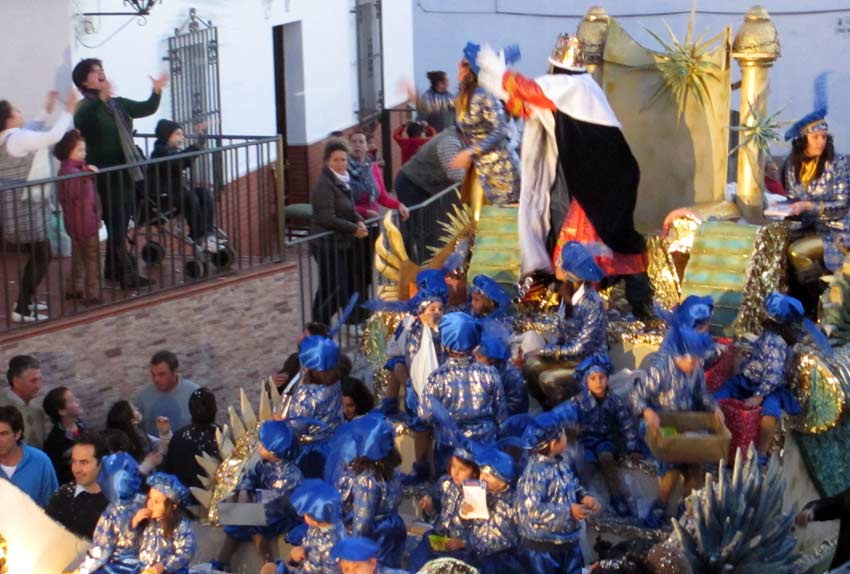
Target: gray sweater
429,168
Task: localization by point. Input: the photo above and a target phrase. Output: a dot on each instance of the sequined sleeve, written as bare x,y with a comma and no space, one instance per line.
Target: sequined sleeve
491,115
543,500
766,364
366,494
499,531
626,422
103,543
182,547
646,386
317,545
835,204
587,329
703,399
513,384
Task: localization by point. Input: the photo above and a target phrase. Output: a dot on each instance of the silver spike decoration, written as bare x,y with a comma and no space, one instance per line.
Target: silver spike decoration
738,524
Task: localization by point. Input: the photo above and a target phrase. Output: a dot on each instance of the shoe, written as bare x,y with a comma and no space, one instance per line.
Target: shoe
135,282
30,318
620,505
656,515
37,306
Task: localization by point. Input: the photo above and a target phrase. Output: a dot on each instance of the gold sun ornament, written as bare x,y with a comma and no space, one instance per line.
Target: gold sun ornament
757,131
685,67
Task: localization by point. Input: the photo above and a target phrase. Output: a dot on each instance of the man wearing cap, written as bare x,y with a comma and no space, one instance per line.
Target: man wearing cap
584,330
572,144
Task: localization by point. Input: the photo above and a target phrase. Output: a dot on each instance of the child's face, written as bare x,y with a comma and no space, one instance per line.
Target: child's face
156,503
432,314
558,445
460,471
597,383
494,483
73,408
177,138
79,152
480,304
349,408
266,454
686,363
484,360
359,567
313,523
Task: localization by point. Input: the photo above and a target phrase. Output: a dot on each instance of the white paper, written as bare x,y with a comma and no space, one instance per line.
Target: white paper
778,210
424,361
475,494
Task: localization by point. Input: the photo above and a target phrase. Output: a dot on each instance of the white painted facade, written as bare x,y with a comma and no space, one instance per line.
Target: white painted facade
44,38
814,35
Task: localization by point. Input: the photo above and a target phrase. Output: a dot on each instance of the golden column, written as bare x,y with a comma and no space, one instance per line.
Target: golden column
756,47
592,32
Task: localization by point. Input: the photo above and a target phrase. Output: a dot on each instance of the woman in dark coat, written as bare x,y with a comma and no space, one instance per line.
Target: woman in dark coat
340,255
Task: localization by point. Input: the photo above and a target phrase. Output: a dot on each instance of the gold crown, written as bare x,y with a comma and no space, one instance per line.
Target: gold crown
568,53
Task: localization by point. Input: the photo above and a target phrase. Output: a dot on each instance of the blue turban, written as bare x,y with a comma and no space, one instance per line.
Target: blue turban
694,311
171,487
493,291
430,287
497,463
470,54
373,435
577,260
495,340
783,308
593,363
318,500
119,477
318,353
355,549
459,332
548,426
276,437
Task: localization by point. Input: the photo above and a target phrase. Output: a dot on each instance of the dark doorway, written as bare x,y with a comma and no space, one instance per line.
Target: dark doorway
280,95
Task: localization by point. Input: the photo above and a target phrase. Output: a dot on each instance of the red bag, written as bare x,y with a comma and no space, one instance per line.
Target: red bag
744,424
722,369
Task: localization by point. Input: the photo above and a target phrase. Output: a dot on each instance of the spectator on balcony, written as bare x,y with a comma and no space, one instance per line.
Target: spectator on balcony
24,211
412,136
339,257
21,464
64,409
167,395
25,382
195,203
81,212
106,123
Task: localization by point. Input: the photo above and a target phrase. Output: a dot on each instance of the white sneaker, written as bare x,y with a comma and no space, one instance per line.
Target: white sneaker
31,318
36,306
213,243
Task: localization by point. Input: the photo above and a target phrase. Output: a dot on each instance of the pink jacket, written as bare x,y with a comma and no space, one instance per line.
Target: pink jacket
80,202
384,198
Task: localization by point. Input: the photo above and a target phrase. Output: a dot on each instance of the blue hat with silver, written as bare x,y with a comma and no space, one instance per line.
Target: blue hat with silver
694,312
814,121
318,353
171,487
783,308
489,288
494,461
119,477
277,438
549,425
318,500
495,340
597,362
577,260
355,549
459,332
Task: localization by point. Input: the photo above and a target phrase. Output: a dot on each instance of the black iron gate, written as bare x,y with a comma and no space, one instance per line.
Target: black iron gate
193,60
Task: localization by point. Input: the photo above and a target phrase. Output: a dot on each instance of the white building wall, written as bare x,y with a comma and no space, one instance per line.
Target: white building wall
810,43
43,36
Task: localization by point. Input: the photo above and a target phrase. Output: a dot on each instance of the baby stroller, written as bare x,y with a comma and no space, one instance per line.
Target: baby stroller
158,216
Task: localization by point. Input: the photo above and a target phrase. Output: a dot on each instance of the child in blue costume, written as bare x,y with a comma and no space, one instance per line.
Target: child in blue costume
370,491
113,549
764,374
320,505
488,300
495,351
359,555
318,395
583,332
425,310
446,503
493,541
271,481
606,426
550,502
471,392
674,380
167,543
